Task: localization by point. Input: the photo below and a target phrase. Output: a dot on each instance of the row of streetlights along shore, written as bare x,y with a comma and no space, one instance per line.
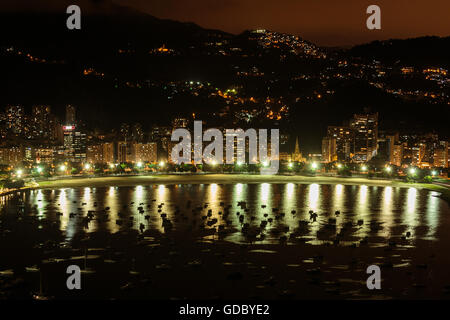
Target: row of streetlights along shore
163,166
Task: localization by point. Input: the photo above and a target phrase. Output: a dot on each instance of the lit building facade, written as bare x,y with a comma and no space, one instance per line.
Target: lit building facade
345,141
15,119
365,127
397,154
74,144
329,150
13,155
144,152
440,157
44,155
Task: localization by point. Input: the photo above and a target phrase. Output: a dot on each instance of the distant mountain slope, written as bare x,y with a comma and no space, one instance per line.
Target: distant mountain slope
415,51
99,31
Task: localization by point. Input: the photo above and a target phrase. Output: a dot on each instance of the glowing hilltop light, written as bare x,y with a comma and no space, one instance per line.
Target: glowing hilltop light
62,167
161,164
87,166
412,170
139,164
364,168
314,165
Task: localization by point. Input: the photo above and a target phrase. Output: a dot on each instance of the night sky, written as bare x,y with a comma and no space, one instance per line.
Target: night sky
325,22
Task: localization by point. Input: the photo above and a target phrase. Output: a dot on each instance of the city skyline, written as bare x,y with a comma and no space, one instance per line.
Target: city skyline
50,141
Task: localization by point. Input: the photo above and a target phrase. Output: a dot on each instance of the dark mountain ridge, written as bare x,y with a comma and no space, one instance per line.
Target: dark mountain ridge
422,51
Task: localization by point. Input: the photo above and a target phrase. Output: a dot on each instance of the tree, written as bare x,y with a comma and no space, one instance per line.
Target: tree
9,184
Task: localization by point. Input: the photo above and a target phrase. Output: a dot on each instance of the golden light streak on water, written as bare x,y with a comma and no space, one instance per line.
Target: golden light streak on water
312,203
87,194
313,197
410,216
213,199
386,214
63,208
264,193
432,214
362,211
238,189
111,201
156,220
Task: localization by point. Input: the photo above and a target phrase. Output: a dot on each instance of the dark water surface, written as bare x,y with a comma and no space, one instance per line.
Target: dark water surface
383,212
236,241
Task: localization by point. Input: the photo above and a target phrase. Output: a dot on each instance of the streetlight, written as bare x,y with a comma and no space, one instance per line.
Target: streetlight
364,168
139,164
19,172
434,173
39,169
239,163
412,171
111,165
290,165
388,169
314,165
161,164
213,162
339,165
265,163
87,166
62,168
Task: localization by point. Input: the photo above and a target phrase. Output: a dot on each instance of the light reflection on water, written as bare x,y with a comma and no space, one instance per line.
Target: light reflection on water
397,210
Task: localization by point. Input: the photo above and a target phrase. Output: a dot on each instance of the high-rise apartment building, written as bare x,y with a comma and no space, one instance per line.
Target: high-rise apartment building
329,149
42,122
365,127
345,141
440,157
15,119
74,144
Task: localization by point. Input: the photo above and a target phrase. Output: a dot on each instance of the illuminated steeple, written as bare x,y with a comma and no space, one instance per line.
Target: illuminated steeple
297,148
297,155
